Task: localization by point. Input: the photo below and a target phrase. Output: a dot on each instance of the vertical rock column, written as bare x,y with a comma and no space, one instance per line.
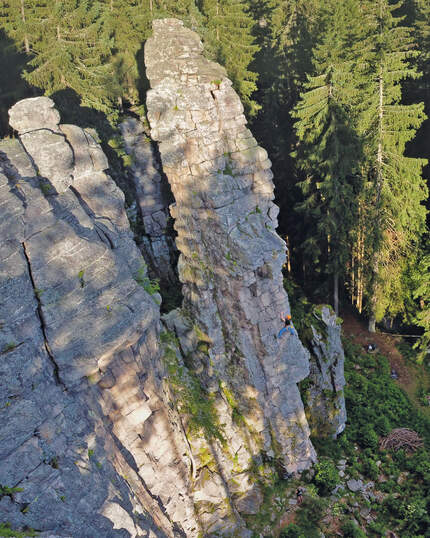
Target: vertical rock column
231,258
325,399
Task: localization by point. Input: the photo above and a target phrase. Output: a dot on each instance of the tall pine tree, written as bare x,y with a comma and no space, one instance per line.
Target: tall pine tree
423,36
328,149
126,24
186,10
394,214
286,30
422,295
17,20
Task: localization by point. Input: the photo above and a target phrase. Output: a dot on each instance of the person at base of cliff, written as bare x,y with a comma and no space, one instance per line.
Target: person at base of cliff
288,325
299,495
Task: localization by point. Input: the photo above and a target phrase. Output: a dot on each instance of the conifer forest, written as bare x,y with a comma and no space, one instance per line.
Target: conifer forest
338,93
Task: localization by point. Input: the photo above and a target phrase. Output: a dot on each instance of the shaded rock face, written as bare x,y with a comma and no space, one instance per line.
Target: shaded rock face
85,431
152,201
325,397
231,258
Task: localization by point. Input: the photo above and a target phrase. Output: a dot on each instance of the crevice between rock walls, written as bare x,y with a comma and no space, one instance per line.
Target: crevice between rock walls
42,321
149,213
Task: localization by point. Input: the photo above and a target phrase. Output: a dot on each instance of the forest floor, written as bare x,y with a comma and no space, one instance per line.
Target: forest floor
411,375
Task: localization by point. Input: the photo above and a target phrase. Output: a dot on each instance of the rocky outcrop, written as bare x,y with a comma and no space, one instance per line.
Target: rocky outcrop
87,443
152,201
323,389
114,423
231,258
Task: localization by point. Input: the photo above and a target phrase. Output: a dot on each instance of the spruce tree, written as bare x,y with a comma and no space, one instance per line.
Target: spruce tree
394,214
186,10
422,295
229,41
17,20
286,31
423,37
73,52
126,24
328,148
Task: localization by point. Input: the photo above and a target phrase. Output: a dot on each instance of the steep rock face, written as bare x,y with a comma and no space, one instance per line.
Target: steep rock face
85,432
325,399
152,200
231,258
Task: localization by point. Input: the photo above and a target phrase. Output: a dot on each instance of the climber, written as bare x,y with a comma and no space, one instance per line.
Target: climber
299,495
288,325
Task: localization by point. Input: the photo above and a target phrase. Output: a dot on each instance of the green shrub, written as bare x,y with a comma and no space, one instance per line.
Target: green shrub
415,515
350,530
377,528
151,286
382,425
312,510
370,468
292,531
326,476
5,530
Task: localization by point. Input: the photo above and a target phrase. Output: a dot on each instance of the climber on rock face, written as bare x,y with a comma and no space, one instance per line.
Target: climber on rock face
288,325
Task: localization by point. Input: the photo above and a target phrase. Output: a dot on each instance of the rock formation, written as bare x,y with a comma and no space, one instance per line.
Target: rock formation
152,201
86,437
324,396
114,422
231,258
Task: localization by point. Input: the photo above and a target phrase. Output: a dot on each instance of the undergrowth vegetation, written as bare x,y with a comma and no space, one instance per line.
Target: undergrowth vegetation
194,403
394,492
5,530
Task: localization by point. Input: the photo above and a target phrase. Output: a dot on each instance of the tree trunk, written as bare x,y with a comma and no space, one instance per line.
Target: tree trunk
336,293
287,240
26,41
217,29
379,182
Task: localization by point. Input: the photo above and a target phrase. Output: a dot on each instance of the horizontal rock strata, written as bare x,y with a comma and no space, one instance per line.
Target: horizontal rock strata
231,258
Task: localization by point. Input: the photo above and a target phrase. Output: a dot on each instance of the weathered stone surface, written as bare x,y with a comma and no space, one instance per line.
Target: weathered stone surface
152,199
231,258
37,122
355,485
82,416
34,113
325,396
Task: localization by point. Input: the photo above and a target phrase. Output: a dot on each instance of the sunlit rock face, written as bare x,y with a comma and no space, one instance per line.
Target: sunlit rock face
85,432
231,257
